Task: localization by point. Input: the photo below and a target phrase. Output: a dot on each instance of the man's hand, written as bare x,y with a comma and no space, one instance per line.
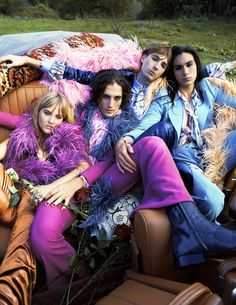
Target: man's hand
123,149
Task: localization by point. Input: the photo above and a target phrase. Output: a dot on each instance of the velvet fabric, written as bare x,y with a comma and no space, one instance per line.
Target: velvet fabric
18,268
163,185
48,243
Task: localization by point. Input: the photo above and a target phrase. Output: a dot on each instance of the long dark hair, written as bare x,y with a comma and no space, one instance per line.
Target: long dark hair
109,77
173,84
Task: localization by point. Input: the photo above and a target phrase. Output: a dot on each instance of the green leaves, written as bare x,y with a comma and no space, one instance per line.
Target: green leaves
92,263
13,189
19,184
87,251
14,200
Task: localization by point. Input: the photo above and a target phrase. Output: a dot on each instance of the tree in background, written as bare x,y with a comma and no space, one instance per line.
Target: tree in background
82,8
188,8
12,7
125,8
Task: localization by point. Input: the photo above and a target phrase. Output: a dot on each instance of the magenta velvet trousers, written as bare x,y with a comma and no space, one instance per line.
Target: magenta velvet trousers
163,186
49,245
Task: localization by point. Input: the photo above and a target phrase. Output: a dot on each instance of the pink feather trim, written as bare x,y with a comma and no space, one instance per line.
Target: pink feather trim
113,55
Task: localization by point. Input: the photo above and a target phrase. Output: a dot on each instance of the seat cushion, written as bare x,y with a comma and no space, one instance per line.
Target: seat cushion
132,292
17,101
141,289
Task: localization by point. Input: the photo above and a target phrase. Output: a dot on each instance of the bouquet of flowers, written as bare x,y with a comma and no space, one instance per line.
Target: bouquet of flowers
96,255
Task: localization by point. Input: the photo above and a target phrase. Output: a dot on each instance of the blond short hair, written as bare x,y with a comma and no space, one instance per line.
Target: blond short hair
162,48
52,99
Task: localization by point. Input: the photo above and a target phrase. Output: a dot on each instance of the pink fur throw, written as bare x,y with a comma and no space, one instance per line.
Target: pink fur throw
112,55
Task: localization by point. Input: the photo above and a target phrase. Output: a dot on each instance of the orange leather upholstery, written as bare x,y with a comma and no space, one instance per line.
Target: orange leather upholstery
16,102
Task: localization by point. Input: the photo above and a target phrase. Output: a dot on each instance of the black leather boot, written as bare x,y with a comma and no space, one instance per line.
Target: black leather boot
194,237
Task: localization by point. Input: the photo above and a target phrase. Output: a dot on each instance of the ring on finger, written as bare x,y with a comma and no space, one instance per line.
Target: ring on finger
33,197
38,195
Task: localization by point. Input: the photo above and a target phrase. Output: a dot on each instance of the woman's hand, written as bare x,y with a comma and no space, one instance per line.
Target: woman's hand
10,61
64,192
42,190
39,193
123,149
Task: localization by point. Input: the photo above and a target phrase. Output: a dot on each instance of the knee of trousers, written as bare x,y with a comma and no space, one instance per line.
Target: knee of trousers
42,237
151,143
212,203
186,174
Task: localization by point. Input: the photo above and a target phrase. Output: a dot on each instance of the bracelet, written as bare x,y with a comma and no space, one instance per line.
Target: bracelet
126,142
86,184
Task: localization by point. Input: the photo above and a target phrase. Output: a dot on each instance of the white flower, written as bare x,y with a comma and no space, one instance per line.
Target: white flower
12,174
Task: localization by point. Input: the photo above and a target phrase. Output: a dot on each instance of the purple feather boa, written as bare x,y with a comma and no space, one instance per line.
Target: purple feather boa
66,148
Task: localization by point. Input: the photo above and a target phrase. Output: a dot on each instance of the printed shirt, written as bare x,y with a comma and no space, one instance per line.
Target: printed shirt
137,99
190,131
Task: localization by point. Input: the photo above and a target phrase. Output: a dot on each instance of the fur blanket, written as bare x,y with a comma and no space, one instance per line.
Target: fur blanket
111,55
13,78
224,122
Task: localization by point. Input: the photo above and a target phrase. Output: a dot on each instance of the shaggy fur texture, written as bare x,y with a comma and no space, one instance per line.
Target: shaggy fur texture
101,200
66,148
225,121
124,55
117,126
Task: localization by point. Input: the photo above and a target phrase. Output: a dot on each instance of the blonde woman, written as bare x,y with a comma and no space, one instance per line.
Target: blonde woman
48,149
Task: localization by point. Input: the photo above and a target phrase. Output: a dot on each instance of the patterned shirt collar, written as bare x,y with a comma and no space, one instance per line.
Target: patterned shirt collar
194,94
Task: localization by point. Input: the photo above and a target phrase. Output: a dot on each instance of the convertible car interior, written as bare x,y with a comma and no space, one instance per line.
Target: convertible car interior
152,277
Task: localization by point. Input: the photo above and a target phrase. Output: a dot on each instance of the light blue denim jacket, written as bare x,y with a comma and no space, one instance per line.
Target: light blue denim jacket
162,109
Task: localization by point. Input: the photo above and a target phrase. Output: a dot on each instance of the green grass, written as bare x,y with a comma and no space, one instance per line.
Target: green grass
215,40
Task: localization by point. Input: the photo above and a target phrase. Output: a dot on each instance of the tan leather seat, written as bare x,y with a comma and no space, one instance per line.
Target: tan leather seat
141,289
17,102
151,246
153,238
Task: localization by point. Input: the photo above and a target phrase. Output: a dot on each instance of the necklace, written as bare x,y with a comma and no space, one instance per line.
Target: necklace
42,155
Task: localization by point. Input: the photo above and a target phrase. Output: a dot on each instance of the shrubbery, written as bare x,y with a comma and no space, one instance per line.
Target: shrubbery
40,10
136,9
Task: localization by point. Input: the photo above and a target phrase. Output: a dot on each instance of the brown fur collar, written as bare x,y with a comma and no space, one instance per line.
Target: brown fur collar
224,122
